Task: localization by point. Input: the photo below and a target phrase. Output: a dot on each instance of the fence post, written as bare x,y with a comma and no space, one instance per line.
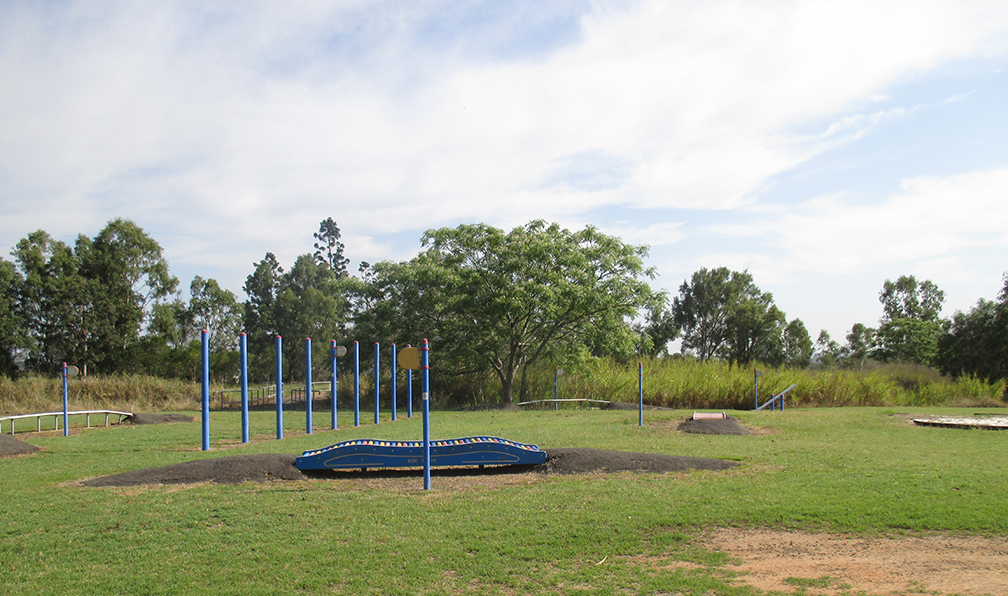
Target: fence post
640,394
425,396
409,390
66,406
332,381
393,365
377,380
356,383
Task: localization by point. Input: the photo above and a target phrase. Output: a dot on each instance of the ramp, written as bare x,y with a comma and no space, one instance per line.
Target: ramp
466,451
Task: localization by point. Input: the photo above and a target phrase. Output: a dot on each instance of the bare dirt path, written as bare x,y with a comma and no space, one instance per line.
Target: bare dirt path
818,563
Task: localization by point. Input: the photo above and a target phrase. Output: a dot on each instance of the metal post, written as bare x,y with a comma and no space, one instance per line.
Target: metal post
243,345
756,386
393,365
66,406
425,396
332,380
640,394
409,390
279,387
205,341
356,383
377,380
308,386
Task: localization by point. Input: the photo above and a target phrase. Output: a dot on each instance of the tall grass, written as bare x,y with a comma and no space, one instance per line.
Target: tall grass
683,383
673,383
121,392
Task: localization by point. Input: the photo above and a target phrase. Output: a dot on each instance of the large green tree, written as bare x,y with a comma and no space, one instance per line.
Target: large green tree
503,301
11,328
723,314
910,324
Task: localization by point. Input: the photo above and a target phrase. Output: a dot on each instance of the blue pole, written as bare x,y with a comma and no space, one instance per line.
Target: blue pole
308,386
279,387
640,393
409,390
243,345
356,384
332,381
393,365
66,405
756,386
377,380
425,396
205,341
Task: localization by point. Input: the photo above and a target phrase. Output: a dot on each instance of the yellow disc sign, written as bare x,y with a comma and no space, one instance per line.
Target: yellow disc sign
409,358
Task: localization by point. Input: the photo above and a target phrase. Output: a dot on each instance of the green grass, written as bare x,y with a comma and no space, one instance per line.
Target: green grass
862,471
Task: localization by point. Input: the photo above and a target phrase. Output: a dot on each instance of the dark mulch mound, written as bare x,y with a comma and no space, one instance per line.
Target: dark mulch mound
585,461
264,467
11,446
724,426
139,418
223,470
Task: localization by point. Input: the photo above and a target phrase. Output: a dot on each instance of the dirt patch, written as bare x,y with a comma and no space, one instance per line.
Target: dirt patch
270,466
139,418
800,563
714,426
10,446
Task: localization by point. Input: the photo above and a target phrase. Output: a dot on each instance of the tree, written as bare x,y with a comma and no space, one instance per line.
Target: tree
329,249
216,310
827,352
976,342
910,324
658,329
126,274
860,342
798,347
11,327
501,301
722,313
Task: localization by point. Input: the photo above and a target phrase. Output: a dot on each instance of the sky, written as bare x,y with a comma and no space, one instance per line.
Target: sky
822,146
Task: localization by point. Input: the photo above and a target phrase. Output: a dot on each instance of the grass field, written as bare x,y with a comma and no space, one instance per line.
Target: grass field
857,471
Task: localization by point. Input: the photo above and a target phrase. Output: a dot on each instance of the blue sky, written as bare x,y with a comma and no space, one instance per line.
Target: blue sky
823,146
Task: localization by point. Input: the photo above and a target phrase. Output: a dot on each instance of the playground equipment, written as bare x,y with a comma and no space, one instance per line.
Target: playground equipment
775,399
465,451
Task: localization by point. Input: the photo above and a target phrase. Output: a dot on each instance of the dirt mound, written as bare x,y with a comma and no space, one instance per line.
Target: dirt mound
714,426
223,470
585,461
11,446
139,418
270,466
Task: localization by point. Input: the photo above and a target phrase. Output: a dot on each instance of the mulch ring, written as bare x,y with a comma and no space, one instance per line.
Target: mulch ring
10,446
237,469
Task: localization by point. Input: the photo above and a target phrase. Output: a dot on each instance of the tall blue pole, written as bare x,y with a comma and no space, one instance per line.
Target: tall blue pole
356,383
308,386
205,341
425,396
377,380
279,387
409,390
332,381
393,365
243,345
66,405
755,376
640,393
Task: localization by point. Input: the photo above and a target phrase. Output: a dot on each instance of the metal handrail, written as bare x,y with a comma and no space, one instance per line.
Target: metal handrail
56,416
774,398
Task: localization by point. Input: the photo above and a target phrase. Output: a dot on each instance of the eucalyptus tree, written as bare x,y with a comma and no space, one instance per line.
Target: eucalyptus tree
976,342
910,324
11,327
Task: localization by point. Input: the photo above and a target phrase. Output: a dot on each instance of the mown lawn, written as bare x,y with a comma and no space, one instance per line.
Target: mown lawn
863,471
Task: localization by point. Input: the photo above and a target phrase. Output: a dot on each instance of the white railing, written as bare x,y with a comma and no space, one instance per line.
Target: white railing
57,415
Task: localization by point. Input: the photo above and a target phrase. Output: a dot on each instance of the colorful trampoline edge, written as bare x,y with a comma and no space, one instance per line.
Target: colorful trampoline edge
465,451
